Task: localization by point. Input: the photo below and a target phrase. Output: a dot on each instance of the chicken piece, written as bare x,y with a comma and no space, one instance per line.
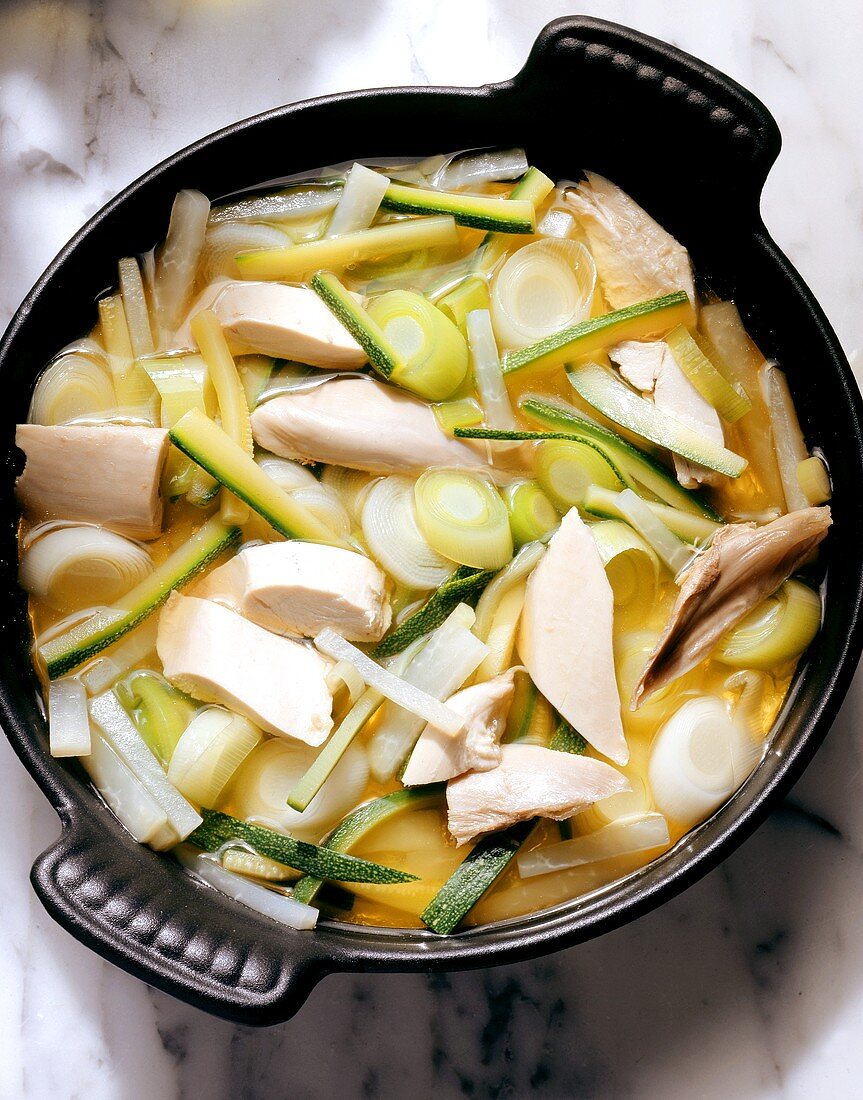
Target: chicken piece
530,781
301,587
359,423
651,368
743,565
636,258
218,656
437,756
108,475
565,637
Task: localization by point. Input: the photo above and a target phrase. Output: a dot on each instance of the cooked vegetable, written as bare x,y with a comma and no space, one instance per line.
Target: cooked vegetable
300,483
533,187
291,205
359,202
651,528
777,630
135,307
689,527
392,533
137,646
74,387
487,375
636,322
66,652
518,570
468,295
477,211
788,438
630,564
211,749
566,470
531,514
131,385
177,262
623,837
814,480
464,412
159,711
221,246
68,718
730,402
463,518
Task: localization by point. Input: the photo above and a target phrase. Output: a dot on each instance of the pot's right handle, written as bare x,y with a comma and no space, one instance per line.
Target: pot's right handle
136,909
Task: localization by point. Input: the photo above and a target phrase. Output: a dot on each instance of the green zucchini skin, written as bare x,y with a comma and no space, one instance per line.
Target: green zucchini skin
84,641
475,211
470,880
567,739
218,828
363,820
459,586
357,321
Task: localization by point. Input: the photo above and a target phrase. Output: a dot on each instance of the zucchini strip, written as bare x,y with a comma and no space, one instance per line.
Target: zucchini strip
367,333
360,822
218,829
85,640
476,211
205,442
636,322
731,402
613,398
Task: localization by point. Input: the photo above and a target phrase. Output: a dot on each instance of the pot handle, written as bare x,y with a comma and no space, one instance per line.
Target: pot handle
136,909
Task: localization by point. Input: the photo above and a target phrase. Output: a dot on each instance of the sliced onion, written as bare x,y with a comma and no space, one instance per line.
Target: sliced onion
177,263
211,749
224,241
464,518
74,386
301,484
269,902
487,373
630,564
391,532
352,487
260,790
68,565
696,760
68,718
360,200
476,167
626,836
542,288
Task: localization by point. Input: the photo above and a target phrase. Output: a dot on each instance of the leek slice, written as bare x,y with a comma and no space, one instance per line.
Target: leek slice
470,294
160,712
630,564
531,514
778,630
626,836
135,306
675,554
531,719
394,688
459,586
613,398
211,749
361,197
224,241
691,528
431,353
269,902
634,465
731,402
488,377
300,261
543,288
302,485
501,636
68,718
534,187
814,480
63,653
518,570
74,387
476,211
464,413
394,538
566,470
218,829
788,441
117,729
463,518
225,460
177,263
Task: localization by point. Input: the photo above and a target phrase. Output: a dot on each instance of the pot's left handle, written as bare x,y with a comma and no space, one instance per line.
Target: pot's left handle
143,913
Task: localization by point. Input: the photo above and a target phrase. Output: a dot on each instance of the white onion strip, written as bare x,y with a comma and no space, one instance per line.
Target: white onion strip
623,837
392,687
361,198
491,388
68,718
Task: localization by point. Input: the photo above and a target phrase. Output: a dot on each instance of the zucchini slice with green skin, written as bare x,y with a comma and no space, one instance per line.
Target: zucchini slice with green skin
458,587
218,828
470,880
367,333
85,640
477,211
567,739
636,322
205,442
691,528
613,398
635,463
361,821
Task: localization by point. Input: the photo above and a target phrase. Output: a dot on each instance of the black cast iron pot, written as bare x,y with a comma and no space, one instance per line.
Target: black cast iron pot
694,148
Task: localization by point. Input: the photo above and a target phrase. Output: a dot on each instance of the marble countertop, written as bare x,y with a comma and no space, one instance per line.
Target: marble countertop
751,983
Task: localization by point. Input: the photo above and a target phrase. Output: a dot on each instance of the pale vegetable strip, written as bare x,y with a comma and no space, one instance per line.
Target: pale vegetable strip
360,200
788,442
131,385
731,402
488,377
627,836
686,525
518,570
670,549
392,687
135,305
302,260
68,718
177,264
534,187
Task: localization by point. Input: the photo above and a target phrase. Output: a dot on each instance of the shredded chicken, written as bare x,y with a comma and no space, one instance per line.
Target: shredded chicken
743,565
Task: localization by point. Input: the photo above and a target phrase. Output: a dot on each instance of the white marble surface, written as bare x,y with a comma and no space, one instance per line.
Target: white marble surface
751,984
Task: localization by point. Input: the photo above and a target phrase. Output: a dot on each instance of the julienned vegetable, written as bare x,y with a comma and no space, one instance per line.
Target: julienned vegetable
599,581
71,649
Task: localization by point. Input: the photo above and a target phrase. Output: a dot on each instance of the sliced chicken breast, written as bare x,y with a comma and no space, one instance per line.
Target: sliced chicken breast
565,637
743,565
530,781
301,587
217,656
437,756
108,474
636,258
361,424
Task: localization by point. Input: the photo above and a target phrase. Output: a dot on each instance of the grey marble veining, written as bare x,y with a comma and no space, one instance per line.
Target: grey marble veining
750,984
